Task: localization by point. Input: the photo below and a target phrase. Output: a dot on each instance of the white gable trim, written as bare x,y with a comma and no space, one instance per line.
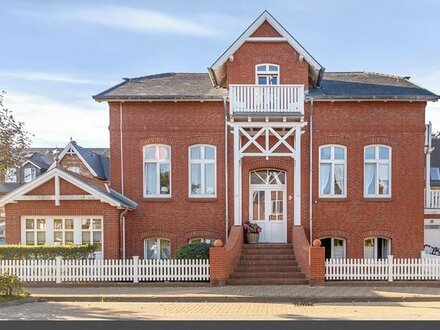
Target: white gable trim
266,16
30,161
56,174
73,147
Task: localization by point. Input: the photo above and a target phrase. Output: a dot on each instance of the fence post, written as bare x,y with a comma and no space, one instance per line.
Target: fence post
58,260
390,268
135,269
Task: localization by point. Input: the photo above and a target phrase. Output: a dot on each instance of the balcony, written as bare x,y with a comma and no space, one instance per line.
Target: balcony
248,100
432,199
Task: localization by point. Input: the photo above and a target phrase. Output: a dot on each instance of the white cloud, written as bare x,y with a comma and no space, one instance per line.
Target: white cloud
50,76
127,18
53,122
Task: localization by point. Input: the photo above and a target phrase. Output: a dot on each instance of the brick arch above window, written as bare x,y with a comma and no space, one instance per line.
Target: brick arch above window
332,139
255,163
377,233
158,234
211,234
371,140
326,233
154,140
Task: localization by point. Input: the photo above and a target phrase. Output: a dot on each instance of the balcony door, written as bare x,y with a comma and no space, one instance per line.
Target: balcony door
268,204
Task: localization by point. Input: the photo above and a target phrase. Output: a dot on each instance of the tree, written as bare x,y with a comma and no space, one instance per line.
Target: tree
14,140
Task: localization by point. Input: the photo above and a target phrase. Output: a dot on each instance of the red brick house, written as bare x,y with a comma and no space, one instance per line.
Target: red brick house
266,135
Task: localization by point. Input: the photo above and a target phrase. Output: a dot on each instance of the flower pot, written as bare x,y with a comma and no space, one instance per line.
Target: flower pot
252,238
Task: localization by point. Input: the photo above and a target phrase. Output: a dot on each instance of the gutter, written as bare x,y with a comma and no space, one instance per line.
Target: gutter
122,233
311,172
225,107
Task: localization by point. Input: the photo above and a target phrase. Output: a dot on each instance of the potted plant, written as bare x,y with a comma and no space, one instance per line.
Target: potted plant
252,231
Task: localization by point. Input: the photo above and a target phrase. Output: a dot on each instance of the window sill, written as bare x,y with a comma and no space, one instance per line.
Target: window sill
378,199
333,199
157,199
202,199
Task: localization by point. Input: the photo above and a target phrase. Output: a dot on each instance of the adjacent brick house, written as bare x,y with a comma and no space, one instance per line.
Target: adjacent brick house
266,136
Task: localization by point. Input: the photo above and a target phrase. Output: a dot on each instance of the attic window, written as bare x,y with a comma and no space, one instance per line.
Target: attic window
267,74
74,169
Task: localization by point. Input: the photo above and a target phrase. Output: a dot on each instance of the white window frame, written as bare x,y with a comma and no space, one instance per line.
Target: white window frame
375,238
35,231
202,162
63,229
159,247
378,162
77,229
332,246
74,169
146,161
11,175
332,162
267,73
33,174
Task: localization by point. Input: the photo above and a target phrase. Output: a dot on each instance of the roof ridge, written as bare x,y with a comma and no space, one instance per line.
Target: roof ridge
367,72
163,74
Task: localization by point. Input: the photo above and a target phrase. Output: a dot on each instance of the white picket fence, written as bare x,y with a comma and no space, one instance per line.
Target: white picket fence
128,270
382,270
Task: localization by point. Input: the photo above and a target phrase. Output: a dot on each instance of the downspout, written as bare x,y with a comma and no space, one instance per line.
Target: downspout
225,107
311,172
121,147
122,233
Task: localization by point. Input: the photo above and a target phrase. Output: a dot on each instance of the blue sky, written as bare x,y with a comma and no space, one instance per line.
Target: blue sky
56,54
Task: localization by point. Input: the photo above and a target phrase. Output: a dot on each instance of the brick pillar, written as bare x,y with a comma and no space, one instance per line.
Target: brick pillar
317,263
218,265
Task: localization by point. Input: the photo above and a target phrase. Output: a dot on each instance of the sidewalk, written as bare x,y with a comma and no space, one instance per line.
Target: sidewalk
268,293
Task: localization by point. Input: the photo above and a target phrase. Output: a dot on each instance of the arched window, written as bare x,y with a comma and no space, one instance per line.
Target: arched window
200,240
157,248
334,247
202,171
332,171
267,74
377,248
157,171
377,171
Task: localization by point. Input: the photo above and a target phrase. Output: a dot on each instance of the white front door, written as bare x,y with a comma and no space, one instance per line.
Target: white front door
268,205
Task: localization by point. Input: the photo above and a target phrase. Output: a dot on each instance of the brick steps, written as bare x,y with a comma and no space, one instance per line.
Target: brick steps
262,264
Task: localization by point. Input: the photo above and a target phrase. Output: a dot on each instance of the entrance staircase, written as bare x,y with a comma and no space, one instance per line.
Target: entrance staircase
267,264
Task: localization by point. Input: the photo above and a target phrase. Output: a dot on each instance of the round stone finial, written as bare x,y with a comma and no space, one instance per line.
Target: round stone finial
317,242
218,243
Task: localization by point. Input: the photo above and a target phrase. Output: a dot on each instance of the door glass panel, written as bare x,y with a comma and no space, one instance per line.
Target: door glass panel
262,80
276,206
258,207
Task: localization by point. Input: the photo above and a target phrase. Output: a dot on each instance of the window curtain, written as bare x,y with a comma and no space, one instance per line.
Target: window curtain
370,178
325,178
151,179
339,179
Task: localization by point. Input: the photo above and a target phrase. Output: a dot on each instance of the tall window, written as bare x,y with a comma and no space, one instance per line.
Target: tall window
62,231
377,248
377,171
202,171
267,74
91,232
30,173
332,171
35,231
157,248
157,171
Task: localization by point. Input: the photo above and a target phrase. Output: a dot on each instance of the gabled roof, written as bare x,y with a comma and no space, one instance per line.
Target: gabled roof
93,161
217,68
184,86
368,85
101,193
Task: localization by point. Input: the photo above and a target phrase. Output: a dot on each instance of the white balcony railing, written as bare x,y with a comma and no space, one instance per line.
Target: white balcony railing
266,99
432,199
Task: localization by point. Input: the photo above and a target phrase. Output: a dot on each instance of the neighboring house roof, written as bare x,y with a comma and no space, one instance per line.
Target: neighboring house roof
8,187
334,85
218,68
369,85
100,192
96,164
164,86
435,159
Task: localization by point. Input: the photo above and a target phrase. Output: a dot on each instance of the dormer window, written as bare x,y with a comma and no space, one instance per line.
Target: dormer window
74,169
30,174
267,74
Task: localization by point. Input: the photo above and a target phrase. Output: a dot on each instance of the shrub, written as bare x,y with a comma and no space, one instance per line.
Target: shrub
48,252
11,285
194,251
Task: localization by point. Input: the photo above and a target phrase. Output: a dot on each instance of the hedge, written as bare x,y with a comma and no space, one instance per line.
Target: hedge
47,252
193,251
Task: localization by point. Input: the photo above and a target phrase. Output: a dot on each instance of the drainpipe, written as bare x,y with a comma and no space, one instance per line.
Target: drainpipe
225,107
122,148
428,143
122,233
311,171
